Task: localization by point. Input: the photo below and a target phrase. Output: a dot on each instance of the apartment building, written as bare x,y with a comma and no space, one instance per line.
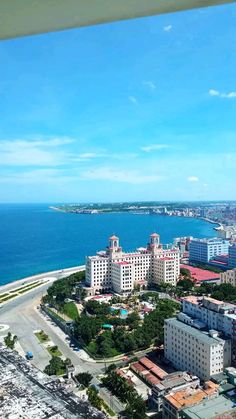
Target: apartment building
232,256
176,401
228,277
116,270
198,352
204,250
215,314
171,383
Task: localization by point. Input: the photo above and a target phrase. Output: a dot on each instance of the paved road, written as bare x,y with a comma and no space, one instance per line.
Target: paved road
53,274
24,318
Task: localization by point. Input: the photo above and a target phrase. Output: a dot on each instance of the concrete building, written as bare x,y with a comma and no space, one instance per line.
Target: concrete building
228,277
116,270
216,408
204,250
198,352
214,314
172,382
232,256
176,401
122,277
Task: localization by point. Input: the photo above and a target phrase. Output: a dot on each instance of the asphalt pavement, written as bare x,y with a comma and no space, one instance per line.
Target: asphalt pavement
23,319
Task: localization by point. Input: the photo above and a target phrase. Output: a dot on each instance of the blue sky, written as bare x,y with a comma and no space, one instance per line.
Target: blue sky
136,110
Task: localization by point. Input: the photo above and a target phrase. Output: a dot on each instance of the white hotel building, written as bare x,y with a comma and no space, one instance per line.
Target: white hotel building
118,271
191,349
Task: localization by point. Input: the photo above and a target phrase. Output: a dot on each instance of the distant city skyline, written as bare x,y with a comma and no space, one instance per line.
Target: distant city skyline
138,110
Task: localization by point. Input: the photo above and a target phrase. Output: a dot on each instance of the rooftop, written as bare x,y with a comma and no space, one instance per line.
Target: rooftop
202,336
190,396
201,274
209,409
29,393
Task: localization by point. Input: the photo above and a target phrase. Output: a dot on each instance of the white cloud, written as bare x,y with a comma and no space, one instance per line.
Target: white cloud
193,179
167,28
229,95
37,176
154,147
205,185
213,92
133,100
150,85
116,175
37,152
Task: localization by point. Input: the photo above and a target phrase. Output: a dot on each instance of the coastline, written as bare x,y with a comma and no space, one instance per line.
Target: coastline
60,273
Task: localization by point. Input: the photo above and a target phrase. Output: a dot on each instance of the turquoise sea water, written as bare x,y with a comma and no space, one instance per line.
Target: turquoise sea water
34,238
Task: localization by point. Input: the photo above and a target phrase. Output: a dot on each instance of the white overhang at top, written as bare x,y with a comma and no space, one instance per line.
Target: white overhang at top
28,17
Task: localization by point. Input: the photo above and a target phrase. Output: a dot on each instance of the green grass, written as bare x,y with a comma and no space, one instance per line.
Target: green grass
9,297
53,352
26,286
42,337
55,315
61,372
4,295
70,310
108,409
14,293
92,350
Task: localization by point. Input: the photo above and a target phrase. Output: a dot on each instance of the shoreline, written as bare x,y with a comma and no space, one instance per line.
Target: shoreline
59,273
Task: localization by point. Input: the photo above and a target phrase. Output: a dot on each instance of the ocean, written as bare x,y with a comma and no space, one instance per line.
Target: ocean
35,238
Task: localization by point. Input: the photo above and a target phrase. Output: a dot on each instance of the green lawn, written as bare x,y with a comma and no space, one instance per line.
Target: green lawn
27,286
61,372
53,352
70,310
92,349
108,409
42,337
9,297
54,314
4,295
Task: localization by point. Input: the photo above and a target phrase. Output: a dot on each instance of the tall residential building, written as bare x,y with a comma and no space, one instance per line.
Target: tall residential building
203,250
214,314
116,270
232,256
198,352
228,277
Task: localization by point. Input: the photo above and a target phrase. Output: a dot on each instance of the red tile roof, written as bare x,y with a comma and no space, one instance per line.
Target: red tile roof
201,274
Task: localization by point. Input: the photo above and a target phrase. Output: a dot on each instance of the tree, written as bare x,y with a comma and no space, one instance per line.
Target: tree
86,328
10,340
186,284
84,378
56,366
105,344
95,308
94,398
136,408
110,368
185,272
132,320
63,288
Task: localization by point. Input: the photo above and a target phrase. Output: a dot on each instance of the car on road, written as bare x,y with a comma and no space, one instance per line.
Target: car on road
29,355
